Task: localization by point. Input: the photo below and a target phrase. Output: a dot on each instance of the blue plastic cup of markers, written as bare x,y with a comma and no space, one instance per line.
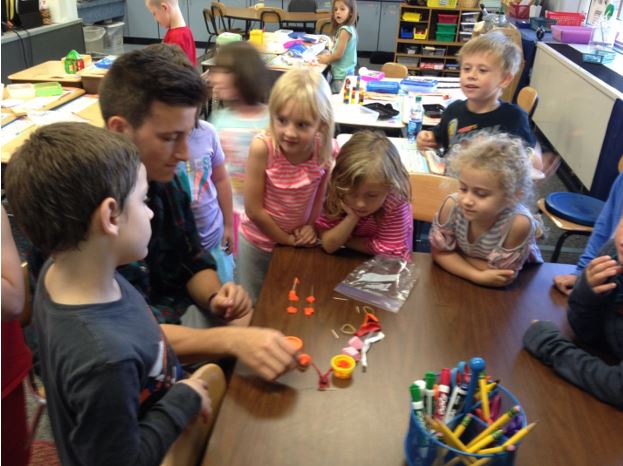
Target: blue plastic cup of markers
424,448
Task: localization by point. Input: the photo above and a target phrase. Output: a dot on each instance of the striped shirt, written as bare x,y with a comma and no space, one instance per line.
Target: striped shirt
289,192
390,233
489,245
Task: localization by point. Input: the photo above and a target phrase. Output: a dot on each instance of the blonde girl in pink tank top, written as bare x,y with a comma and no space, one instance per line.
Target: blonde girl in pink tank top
287,173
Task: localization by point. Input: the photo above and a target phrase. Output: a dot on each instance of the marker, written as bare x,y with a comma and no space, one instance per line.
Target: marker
443,389
418,409
486,412
496,406
476,365
429,377
463,425
456,402
499,422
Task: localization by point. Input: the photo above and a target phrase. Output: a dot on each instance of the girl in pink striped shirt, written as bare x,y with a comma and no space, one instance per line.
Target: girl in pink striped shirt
287,174
368,205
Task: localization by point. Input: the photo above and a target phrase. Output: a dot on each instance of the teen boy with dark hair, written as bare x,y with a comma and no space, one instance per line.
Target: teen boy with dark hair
110,376
154,101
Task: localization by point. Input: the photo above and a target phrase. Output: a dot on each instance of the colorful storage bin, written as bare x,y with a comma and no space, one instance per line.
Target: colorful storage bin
447,19
445,37
518,11
411,16
572,34
442,3
446,28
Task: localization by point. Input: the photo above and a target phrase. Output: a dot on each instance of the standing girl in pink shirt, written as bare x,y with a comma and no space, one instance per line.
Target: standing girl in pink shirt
287,173
368,205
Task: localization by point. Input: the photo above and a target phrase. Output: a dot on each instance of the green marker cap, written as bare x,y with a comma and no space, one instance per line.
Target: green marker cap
415,393
430,378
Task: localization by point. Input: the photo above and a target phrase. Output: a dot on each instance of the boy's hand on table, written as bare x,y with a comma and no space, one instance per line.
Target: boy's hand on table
495,277
599,271
426,140
305,236
565,283
265,351
231,302
201,388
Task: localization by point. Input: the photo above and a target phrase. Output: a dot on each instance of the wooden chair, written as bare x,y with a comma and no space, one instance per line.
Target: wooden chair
395,70
271,16
211,26
221,22
191,443
528,99
323,26
427,194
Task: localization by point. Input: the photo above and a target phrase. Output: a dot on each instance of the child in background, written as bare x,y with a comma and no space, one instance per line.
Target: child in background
287,174
343,56
207,183
239,81
109,373
168,15
488,64
368,206
484,233
16,356
596,317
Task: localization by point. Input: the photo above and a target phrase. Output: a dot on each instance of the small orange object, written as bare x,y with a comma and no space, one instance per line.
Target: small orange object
292,309
308,311
296,343
304,359
292,296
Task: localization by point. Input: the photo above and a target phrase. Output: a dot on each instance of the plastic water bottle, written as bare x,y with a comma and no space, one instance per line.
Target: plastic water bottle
416,115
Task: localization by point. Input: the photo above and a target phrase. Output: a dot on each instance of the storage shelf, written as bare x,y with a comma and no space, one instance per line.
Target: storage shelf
428,42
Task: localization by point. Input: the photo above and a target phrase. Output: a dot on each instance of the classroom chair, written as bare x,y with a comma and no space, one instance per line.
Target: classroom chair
323,26
428,192
221,22
573,213
192,442
528,99
395,70
211,27
271,16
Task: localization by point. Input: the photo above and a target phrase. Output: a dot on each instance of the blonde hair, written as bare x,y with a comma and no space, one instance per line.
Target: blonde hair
500,46
311,95
367,155
352,19
501,154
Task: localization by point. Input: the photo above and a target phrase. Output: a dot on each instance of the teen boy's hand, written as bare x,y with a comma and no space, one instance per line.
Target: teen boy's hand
565,283
599,271
201,388
231,302
426,140
265,351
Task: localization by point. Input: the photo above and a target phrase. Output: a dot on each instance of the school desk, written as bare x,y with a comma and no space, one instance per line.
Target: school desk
446,319
84,106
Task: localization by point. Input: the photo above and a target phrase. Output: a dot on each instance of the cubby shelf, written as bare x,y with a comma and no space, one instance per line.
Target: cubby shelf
429,21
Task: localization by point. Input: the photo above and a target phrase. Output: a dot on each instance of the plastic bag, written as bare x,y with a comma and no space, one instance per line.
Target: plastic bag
382,281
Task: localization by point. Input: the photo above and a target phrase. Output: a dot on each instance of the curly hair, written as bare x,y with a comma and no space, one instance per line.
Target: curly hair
367,155
504,155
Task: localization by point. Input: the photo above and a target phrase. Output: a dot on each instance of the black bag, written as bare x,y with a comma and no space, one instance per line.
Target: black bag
385,111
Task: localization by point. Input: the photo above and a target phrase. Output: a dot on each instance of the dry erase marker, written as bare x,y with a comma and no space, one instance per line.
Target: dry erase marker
418,409
443,391
430,377
456,401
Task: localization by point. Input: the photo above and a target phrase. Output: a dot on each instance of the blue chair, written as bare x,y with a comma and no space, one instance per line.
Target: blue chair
573,213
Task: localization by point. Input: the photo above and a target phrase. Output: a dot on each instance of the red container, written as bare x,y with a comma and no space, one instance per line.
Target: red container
564,18
518,11
448,19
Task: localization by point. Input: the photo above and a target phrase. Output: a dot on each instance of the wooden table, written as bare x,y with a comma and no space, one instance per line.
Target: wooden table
446,319
90,112
48,71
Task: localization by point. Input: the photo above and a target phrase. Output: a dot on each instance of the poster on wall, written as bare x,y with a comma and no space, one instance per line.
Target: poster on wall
595,11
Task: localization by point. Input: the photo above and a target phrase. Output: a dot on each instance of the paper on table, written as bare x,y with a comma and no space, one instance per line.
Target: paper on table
13,129
79,104
54,116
